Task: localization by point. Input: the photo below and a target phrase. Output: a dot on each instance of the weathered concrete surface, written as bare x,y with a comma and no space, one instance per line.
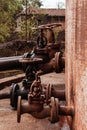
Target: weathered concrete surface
53,78
76,60
8,120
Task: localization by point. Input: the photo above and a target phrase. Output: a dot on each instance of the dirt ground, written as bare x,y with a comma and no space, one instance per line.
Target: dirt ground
8,117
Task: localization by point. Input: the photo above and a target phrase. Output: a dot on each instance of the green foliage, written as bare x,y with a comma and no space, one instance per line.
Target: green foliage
31,23
4,32
35,3
32,3
8,11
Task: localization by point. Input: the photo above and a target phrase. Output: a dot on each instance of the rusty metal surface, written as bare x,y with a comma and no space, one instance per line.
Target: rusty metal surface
47,26
34,103
76,60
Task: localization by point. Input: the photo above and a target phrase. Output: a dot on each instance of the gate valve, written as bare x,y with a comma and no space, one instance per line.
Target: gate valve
35,101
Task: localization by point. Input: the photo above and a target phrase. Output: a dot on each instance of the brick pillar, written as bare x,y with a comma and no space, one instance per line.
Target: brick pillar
76,60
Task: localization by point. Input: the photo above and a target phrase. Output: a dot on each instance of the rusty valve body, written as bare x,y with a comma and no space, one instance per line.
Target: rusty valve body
40,104
39,110
35,101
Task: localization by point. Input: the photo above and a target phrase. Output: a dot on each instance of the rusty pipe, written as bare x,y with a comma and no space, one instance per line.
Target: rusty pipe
51,92
22,92
66,110
60,94
48,65
55,93
63,110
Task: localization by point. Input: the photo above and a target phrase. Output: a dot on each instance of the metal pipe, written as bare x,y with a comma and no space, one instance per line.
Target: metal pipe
19,92
60,94
22,92
7,63
4,95
55,93
66,110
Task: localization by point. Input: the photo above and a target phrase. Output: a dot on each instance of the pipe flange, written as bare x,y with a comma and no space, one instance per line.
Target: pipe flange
57,60
14,96
19,109
53,110
57,108
48,93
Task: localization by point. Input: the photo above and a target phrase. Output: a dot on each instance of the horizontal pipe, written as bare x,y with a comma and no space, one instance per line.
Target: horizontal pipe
7,95
4,95
7,63
22,92
45,112
40,112
60,94
66,110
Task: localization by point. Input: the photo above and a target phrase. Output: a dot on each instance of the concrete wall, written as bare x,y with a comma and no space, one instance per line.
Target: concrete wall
76,60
